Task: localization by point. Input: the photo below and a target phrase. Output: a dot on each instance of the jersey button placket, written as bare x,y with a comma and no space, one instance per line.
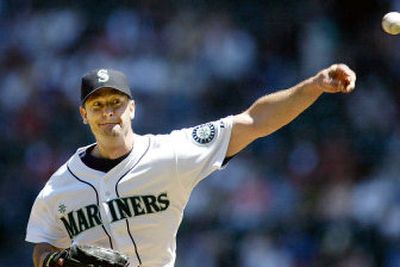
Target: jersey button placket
105,196
107,200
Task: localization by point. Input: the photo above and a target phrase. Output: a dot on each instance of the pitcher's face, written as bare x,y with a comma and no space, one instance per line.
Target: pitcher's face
108,113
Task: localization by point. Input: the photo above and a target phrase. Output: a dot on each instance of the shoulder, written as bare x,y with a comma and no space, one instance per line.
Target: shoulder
201,135
61,177
55,181
205,133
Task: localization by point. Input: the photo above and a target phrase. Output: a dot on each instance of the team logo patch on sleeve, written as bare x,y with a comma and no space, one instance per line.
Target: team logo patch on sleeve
204,134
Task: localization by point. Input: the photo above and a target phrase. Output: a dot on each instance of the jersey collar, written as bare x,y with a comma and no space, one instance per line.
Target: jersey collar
88,174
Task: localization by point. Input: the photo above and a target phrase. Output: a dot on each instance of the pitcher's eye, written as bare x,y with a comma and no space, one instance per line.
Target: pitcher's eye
116,102
96,105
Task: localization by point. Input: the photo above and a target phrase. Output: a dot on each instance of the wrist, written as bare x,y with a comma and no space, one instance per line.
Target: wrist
313,86
51,260
47,259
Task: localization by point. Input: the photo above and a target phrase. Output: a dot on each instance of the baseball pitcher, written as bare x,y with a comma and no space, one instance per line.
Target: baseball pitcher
120,200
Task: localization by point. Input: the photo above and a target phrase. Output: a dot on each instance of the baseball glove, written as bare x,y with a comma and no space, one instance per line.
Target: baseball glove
86,256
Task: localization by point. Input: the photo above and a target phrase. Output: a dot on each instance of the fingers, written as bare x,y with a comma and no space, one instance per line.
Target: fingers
341,78
60,262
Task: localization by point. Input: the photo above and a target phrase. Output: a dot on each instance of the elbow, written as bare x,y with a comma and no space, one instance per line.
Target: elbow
267,123
265,130
254,127
262,131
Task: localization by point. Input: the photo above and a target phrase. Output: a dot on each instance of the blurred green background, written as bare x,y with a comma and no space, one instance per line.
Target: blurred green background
323,191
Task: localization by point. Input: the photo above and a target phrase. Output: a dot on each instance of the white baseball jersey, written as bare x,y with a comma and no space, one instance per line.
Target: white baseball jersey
137,206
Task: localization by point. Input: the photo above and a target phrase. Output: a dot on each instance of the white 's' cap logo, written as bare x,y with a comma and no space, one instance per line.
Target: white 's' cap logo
103,75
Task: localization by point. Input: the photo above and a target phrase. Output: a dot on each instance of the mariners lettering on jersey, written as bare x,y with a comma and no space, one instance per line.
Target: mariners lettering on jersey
77,221
204,134
122,208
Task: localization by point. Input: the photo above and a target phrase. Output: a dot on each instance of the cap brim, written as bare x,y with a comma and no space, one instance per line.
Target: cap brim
101,87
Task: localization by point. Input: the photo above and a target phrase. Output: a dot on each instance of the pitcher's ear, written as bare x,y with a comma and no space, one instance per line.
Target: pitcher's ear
132,106
83,113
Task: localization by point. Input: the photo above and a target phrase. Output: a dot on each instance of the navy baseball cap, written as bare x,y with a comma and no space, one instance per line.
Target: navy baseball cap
104,78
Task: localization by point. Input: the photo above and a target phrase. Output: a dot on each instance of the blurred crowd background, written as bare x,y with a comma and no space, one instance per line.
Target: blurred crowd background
323,191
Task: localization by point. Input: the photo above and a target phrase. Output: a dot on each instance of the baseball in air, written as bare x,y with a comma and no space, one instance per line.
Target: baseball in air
391,23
